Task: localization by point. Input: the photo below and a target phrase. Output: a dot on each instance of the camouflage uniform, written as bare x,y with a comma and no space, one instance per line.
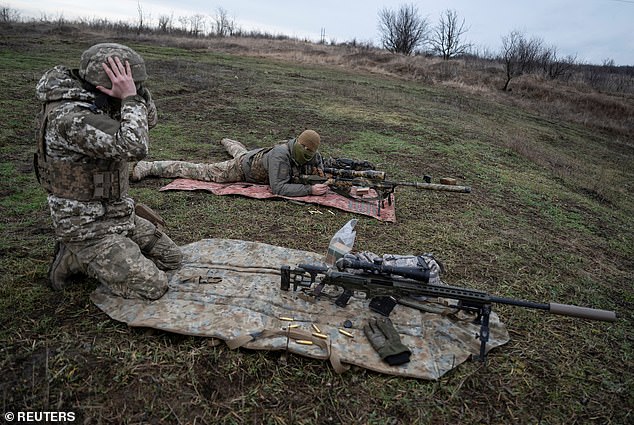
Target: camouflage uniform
85,141
274,166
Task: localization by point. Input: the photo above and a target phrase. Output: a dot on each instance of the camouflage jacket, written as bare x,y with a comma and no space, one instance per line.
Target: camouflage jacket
79,131
276,167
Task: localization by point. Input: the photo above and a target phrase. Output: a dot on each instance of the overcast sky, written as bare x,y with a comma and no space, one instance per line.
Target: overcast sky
593,30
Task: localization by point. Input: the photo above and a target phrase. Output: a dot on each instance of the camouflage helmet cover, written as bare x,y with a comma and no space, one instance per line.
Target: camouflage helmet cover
90,66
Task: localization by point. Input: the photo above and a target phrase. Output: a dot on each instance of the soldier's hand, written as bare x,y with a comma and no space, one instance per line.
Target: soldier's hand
318,189
318,172
121,77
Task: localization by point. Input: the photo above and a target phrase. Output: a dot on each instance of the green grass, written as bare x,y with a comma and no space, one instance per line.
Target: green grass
549,219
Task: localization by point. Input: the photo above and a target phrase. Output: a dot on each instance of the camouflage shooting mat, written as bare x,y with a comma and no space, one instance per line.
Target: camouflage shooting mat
230,290
364,205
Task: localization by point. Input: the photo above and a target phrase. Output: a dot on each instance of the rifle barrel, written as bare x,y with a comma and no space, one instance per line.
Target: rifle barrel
583,312
433,186
561,309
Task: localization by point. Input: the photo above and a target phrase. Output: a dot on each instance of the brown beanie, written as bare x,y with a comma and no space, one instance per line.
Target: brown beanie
309,139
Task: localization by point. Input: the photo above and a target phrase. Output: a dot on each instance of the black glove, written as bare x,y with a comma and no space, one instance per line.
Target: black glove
386,341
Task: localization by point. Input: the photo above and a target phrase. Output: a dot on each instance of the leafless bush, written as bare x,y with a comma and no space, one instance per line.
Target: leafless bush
555,67
519,55
256,34
607,78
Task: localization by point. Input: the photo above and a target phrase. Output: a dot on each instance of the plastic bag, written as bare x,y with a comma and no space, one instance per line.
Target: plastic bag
342,242
423,262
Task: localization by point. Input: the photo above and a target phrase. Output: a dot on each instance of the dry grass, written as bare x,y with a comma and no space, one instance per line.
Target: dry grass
572,101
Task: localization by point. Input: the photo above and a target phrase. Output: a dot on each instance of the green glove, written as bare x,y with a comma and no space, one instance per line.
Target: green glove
386,341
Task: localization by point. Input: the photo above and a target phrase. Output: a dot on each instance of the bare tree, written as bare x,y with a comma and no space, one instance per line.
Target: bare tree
184,21
519,55
8,14
447,36
402,30
197,25
165,23
140,11
225,26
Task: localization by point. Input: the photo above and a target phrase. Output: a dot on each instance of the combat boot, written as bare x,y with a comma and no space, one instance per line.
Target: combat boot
64,265
140,170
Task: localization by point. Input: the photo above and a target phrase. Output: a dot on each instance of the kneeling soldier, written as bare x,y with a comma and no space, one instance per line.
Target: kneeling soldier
94,120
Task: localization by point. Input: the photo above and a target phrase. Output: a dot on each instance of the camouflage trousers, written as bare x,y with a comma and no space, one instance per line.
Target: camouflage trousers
132,265
220,172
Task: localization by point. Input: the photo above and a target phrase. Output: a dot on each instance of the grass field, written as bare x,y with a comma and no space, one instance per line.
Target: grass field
550,219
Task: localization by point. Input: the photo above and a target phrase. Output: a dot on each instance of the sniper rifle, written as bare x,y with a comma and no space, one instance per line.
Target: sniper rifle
341,180
387,285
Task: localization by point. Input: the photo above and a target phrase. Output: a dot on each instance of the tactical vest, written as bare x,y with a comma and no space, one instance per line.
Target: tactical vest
257,172
93,180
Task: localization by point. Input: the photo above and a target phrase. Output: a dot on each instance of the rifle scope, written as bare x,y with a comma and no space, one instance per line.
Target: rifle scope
419,274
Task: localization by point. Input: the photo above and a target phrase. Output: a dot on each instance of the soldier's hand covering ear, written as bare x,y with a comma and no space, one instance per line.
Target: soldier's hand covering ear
152,115
121,77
